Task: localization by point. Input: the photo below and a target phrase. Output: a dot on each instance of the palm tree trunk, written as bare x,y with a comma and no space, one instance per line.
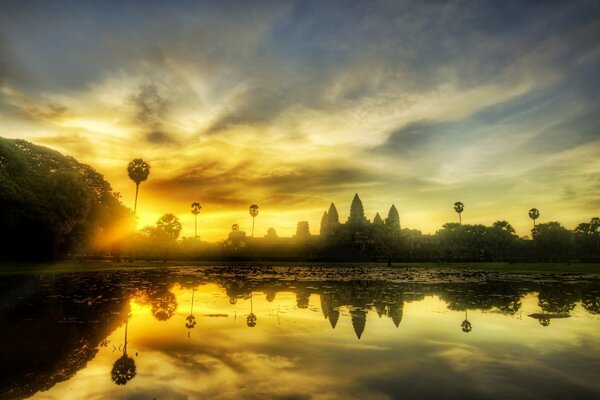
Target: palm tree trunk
459,219
253,226
195,226
137,188
125,344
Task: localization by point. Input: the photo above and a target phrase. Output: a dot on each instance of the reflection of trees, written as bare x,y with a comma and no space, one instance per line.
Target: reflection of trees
53,326
557,299
496,296
164,305
590,300
124,368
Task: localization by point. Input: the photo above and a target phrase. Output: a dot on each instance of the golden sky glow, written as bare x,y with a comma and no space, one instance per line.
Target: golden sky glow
293,105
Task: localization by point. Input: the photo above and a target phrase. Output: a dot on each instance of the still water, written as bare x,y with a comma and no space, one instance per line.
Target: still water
299,333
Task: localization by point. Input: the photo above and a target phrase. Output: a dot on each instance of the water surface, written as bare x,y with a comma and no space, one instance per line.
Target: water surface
299,333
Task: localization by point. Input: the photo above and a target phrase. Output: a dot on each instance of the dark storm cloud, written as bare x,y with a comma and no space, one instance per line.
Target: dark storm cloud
149,104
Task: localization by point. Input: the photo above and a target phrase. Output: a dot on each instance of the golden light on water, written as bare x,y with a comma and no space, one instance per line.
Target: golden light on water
222,355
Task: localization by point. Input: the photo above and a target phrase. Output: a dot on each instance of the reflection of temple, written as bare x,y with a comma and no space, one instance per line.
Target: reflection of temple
54,325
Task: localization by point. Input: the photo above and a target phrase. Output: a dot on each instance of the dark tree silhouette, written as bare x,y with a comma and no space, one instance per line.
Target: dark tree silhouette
51,204
459,207
253,210
138,171
169,226
124,368
196,207
534,214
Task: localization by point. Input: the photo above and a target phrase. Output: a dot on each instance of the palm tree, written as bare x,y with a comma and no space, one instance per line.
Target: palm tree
459,208
251,319
138,171
124,368
196,207
466,325
534,214
191,319
253,212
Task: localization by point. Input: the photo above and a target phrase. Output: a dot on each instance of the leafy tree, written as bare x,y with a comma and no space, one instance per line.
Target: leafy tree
552,240
459,207
499,237
587,238
138,171
168,226
51,205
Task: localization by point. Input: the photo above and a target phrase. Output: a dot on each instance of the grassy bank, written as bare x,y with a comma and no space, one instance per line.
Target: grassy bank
91,266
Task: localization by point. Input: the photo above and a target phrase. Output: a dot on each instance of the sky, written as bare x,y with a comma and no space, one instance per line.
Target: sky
294,104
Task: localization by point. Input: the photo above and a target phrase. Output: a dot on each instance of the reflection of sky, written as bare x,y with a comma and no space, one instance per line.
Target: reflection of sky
294,354
294,104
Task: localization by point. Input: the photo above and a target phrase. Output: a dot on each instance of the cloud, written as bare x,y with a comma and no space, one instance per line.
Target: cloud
305,102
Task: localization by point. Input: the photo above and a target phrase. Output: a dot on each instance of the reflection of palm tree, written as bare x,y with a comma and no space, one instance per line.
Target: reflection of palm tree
251,319
459,208
124,368
190,319
466,325
138,171
196,210
534,214
253,212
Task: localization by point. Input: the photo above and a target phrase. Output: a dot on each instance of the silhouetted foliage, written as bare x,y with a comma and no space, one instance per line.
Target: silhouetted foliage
459,207
553,241
138,171
534,214
51,205
253,210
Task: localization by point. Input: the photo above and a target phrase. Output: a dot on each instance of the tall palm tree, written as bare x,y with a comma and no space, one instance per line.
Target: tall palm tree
534,214
253,212
466,325
196,207
459,207
124,368
191,319
251,319
138,171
